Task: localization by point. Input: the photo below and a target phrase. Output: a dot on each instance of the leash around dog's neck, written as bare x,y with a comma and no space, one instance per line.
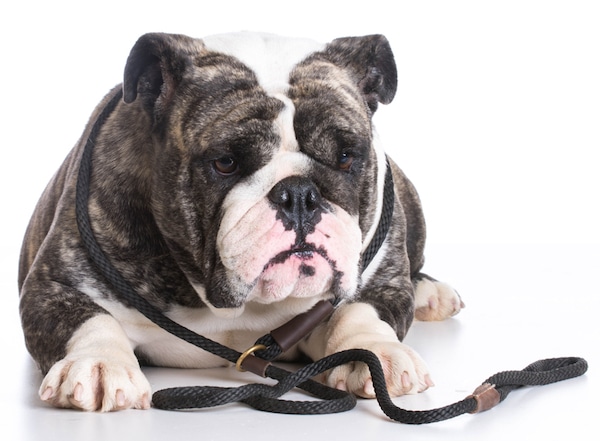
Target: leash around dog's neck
257,359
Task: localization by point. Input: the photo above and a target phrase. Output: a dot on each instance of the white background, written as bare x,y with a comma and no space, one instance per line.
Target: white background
496,121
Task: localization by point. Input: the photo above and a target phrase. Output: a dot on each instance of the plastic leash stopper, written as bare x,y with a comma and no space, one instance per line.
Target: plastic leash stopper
486,397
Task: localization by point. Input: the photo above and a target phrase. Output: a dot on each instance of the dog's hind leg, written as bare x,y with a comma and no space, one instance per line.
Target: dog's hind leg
435,300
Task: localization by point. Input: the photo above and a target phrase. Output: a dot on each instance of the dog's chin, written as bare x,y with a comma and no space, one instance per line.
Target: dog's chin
227,313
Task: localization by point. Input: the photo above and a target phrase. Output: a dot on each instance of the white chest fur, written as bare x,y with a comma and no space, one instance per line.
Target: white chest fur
239,333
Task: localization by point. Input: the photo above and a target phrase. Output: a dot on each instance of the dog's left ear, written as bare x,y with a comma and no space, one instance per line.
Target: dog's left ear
155,67
371,62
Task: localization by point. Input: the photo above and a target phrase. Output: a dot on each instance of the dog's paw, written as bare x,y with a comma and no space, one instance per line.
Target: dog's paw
96,384
358,326
436,300
405,371
99,373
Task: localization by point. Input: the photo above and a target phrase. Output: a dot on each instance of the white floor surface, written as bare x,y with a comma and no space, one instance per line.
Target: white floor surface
524,303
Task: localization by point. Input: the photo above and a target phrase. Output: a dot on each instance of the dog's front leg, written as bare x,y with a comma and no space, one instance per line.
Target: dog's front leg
99,372
358,326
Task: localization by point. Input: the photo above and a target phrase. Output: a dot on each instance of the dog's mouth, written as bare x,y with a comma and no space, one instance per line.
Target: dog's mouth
302,252
303,270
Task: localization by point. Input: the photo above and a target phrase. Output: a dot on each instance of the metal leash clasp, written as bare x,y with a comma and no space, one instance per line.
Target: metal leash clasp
239,364
285,337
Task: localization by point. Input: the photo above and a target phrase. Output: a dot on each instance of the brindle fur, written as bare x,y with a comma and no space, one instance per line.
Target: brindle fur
155,198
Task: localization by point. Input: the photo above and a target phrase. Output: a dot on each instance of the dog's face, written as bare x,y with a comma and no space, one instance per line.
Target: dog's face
266,165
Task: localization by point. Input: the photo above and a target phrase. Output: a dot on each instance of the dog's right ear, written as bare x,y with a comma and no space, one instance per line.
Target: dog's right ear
155,67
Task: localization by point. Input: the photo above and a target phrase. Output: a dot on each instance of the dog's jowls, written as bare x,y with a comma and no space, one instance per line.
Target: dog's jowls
237,183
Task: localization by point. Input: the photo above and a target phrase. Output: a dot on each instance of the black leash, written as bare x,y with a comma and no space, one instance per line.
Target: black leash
257,359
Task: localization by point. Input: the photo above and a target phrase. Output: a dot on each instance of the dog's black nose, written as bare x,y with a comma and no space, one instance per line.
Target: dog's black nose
298,203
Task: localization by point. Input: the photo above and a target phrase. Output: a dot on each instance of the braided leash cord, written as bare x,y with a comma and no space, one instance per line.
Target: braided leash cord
265,397
385,220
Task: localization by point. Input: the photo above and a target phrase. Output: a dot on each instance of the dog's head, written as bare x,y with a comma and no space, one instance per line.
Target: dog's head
266,175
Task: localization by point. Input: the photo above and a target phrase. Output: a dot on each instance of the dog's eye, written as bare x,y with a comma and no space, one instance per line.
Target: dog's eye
345,161
226,166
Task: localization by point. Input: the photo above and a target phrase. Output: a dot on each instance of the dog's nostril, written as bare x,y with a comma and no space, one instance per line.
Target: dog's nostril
281,197
312,199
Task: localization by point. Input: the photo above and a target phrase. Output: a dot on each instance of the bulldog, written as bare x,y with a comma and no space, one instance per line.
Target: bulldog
237,183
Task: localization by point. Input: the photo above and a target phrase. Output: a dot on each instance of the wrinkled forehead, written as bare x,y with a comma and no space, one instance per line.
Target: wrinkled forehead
315,94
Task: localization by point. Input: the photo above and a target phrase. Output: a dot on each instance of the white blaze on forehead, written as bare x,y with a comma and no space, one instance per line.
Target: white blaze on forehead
271,57
284,125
